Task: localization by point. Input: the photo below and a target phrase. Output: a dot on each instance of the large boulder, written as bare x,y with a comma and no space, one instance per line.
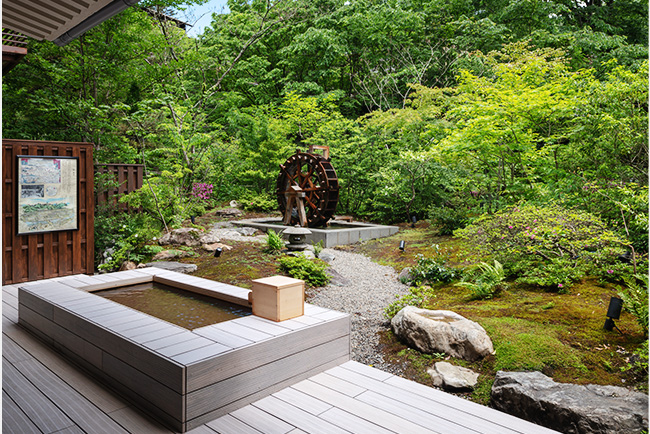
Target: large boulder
181,237
442,331
454,378
570,408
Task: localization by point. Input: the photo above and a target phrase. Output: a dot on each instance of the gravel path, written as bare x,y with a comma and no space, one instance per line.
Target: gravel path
363,290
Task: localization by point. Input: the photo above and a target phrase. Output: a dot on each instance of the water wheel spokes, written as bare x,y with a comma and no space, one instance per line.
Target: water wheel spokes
311,179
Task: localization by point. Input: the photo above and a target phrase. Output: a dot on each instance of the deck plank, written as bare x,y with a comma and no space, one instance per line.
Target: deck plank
39,408
261,421
351,422
228,424
308,403
409,401
297,417
133,421
13,417
76,406
361,409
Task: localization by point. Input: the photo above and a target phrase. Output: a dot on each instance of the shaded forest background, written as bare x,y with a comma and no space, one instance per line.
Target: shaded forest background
440,110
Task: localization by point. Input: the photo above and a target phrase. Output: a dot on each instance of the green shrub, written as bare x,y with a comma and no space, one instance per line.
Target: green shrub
484,280
318,247
432,270
299,267
416,297
635,298
274,242
127,235
259,203
546,246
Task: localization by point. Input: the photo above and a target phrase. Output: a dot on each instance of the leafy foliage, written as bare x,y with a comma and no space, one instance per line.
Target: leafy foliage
432,270
484,280
635,299
416,296
545,245
123,237
299,267
274,242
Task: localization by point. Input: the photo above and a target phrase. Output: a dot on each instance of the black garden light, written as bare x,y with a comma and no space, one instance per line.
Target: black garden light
613,312
414,220
217,252
402,245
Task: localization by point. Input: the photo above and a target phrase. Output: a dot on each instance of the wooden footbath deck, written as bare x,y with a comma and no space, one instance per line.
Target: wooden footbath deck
44,391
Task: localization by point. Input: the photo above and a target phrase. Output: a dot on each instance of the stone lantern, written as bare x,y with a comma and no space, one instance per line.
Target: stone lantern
297,237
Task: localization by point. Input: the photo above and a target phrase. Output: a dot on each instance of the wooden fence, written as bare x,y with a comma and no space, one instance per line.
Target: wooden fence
126,178
47,254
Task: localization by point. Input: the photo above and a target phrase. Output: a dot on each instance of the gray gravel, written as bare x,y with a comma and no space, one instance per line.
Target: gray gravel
363,289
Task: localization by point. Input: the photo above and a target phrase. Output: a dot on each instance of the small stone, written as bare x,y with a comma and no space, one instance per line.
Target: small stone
215,246
246,231
166,255
405,275
127,265
451,377
174,266
210,237
183,236
326,256
228,212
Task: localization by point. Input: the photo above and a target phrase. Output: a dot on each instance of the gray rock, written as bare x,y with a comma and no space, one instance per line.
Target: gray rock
183,237
221,225
166,255
336,279
570,408
246,231
405,275
228,212
326,256
210,238
174,266
128,265
306,253
452,377
435,331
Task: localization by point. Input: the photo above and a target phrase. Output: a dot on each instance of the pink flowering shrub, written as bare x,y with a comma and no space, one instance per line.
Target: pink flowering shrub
547,246
202,190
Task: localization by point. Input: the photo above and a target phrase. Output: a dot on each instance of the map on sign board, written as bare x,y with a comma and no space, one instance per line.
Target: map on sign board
47,194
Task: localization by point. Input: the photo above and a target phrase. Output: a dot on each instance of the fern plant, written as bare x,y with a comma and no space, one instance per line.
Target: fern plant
318,247
274,243
485,280
635,299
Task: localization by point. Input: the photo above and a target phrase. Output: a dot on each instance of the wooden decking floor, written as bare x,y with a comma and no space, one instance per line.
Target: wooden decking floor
42,392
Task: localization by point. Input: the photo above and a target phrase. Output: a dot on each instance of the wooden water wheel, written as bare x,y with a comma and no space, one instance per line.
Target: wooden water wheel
308,188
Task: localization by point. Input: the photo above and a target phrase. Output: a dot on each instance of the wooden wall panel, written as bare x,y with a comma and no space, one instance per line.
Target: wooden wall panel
129,177
53,254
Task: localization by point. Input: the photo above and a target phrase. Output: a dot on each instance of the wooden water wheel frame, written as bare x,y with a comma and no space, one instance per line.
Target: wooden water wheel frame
308,188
